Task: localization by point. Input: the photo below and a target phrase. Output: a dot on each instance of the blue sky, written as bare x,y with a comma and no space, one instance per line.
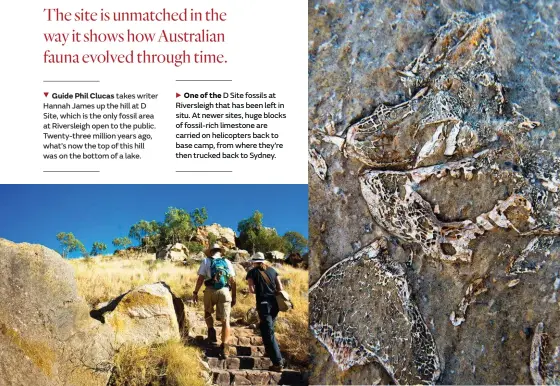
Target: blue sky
36,213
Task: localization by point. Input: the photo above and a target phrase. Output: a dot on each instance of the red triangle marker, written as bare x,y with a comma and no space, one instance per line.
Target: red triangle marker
177,95
46,94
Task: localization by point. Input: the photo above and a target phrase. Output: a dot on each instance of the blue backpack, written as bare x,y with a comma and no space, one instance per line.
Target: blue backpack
220,273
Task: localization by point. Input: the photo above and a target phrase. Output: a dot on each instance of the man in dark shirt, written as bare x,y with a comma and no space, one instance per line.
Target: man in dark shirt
265,283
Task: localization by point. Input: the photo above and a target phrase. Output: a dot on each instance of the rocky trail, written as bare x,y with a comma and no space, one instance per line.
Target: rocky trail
246,364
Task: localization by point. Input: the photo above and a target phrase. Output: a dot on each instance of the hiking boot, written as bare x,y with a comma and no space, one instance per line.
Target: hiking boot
212,339
222,353
278,367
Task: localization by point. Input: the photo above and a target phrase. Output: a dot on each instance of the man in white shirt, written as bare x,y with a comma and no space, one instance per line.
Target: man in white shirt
217,273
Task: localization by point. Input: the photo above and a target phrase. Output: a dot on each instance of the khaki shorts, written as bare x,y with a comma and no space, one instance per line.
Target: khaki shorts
221,298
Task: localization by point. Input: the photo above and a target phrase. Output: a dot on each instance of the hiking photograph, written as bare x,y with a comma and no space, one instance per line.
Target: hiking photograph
140,285
434,192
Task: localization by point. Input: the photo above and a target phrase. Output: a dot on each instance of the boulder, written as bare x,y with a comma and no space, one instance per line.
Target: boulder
252,316
239,255
275,255
224,236
199,256
173,252
147,315
294,259
46,334
239,270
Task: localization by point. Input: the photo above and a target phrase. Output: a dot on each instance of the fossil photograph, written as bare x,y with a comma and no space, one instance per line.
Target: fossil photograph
434,202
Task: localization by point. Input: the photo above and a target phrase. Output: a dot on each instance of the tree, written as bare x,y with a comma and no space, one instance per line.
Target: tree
98,248
295,242
70,243
199,217
249,229
122,242
212,238
177,225
252,223
143,230
267,239
254,236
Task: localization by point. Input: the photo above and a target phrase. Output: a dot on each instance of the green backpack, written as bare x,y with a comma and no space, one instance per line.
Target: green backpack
220,273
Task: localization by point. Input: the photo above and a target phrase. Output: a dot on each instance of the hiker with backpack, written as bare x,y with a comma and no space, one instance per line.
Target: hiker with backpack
265,283
217,274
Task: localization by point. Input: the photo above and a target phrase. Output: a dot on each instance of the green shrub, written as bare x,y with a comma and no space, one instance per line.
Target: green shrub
194,247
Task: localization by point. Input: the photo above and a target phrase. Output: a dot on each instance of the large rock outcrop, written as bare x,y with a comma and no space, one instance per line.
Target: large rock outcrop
149,314
224,236
435,124
239,255
46,334
275,255
173,252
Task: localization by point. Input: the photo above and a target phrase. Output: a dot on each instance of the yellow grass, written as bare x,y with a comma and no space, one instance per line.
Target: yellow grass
102,279
170,364
293,327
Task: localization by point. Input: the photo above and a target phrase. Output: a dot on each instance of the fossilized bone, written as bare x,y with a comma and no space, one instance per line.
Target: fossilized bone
362,311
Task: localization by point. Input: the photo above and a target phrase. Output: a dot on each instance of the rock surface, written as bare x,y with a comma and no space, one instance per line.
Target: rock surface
275,255
46,334
436,125
173,252
224,236
239,255
149,314
391,331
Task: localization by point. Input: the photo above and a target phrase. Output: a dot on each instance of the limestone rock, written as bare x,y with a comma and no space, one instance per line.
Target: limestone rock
199,256
251,317
149,314
437,123
239,255
275,256
173,252
46,334
240,271
383,323
295,259
224,236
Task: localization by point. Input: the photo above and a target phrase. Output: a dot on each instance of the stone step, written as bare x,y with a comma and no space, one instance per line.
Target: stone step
257,377
235,349
239,336
235,331
236,340
240,363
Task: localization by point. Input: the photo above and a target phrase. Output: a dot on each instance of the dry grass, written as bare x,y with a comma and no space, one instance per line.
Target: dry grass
170,364
293,327
103,278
